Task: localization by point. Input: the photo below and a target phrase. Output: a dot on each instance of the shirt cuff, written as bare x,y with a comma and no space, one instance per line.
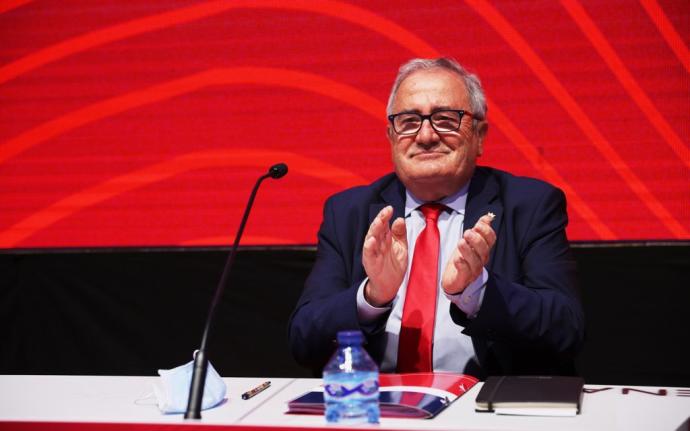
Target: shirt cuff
470,299
367,313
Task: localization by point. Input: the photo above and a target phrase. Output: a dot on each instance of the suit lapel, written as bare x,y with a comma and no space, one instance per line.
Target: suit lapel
393,194
481,199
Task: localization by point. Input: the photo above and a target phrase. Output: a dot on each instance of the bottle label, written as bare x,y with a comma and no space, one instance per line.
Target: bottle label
366,388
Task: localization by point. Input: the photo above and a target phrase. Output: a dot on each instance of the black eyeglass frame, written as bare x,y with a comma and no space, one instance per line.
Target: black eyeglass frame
460,112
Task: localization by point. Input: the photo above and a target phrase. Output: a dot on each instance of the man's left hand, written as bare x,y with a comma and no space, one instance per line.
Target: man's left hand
469,257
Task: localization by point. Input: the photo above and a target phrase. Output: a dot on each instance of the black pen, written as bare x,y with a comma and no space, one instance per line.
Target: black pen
256,390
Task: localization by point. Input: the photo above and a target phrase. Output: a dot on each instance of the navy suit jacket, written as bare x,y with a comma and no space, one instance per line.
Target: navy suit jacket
531,319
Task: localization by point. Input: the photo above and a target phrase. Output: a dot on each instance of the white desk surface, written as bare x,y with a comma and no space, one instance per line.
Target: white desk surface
114,399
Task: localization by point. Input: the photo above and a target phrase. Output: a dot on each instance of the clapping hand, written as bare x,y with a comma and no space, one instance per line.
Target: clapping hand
470,256
384,257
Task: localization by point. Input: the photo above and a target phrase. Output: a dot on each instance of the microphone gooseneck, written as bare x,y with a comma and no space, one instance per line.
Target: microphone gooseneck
196,388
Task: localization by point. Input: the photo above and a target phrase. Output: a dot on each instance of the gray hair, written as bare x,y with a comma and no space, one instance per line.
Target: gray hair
472,83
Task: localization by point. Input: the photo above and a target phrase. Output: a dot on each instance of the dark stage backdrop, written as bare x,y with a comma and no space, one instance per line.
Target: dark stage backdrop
134,311
145,123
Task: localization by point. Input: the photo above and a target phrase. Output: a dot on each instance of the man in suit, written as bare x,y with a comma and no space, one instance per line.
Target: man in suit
444,265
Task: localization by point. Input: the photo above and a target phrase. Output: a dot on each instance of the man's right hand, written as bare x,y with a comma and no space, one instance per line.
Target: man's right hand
384,257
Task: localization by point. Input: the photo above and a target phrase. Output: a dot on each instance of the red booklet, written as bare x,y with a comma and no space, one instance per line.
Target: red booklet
413,395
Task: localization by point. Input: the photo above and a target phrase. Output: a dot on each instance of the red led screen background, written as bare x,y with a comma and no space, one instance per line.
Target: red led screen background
139,123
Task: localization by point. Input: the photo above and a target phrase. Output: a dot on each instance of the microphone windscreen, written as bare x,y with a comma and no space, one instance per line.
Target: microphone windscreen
278,170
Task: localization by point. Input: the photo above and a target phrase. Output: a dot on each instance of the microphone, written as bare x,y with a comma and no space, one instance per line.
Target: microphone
278,170
196,388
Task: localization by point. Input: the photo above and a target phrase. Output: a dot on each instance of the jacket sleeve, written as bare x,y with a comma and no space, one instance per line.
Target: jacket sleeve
531,303
328,303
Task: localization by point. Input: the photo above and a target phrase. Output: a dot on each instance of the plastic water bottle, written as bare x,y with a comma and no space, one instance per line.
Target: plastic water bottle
351,382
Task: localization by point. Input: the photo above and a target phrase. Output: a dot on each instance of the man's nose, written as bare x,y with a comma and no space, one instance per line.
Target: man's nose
427,135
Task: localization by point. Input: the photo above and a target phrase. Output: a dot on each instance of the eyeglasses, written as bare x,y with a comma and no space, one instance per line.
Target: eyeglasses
444,121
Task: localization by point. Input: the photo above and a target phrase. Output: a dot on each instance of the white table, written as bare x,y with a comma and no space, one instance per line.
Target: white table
100,399
113,399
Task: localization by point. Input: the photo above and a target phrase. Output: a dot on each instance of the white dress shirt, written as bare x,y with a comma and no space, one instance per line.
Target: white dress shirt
452,350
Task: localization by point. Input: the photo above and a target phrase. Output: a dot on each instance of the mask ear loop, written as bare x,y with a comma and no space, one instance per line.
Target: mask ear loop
145,397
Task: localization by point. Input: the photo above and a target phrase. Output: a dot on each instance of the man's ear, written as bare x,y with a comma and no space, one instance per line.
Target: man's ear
390,134
480,133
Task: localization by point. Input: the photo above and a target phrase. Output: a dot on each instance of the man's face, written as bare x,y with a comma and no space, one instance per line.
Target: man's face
433,165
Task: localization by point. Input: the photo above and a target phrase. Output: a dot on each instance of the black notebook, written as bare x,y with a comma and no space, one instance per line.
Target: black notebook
531,395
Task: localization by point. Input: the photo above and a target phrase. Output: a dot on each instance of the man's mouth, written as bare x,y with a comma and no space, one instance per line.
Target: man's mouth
428,154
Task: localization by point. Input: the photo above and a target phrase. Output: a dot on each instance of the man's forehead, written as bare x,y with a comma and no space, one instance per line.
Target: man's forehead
435,86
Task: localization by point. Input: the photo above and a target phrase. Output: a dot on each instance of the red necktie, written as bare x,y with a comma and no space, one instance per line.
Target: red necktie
419,312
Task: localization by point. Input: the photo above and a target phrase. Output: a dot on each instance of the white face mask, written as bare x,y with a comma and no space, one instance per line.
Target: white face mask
173,391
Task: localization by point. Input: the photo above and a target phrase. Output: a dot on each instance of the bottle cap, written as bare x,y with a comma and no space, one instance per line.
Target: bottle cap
348,338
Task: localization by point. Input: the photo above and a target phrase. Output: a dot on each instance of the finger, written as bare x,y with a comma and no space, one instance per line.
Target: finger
386,213
478,244
487,218
483,227
484,221
371,249
449,279
459,261
379,226
471,258
399,230
486,233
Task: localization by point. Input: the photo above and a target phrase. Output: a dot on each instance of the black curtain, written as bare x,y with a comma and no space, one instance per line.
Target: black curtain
132,311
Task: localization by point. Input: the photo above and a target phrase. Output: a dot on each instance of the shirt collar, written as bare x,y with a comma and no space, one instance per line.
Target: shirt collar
456,201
